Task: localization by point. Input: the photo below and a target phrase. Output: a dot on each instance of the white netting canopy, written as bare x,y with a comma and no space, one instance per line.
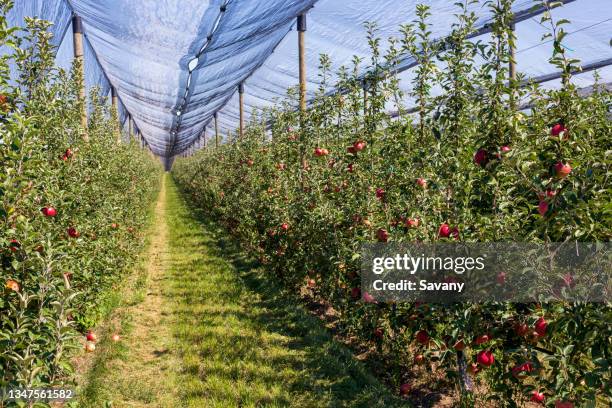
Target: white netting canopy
175,63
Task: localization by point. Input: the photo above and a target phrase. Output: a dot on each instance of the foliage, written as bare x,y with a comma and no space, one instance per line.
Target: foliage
344,172
71,212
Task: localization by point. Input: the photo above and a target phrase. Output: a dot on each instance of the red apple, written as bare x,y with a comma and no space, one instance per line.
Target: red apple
543,208
419,359
473,369
444,231
505,149
485,358
73,233
49,211
557,129
382,235
459,345
537,396
562,170
563,404
501,278
482,339
355,293
404,389
422,337
284,226
480,158
114,226
454,233
350,168
90,347
359,145
115,337
14,245
312,283
91,336
380,193
68,153
540,326
422,182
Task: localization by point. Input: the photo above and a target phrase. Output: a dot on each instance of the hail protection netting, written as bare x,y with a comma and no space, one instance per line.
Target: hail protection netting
175,63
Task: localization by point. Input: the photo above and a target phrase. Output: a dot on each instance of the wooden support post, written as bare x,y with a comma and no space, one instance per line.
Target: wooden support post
513,55
216,130
115,111
301,28
241,102
79,53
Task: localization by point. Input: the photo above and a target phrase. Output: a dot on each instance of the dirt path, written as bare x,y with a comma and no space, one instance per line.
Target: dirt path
139,370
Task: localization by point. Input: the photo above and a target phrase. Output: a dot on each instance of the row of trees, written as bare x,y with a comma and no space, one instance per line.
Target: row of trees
471,165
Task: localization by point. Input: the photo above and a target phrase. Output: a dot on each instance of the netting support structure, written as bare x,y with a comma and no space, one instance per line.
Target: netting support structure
79,56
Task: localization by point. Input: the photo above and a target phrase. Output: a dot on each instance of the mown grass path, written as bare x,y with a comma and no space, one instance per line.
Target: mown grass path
214,332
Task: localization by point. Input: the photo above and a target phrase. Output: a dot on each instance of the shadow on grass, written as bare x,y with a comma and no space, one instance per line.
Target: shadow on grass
329,375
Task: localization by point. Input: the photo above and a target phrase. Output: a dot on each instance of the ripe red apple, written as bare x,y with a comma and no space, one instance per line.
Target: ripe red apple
473,369
250,163
501,278
422,337
557,129
404,389
355,293
537,396
350,168
351,150
505,149
412,222
318,151
382,235
91,336
114,226
454,233
485,358
482,339
115,337
562,170
480,157
49,211
73,233
68,153
543,208
444,231
459,345
422,182
324,152
380,193
419,359
522,370
90,347
359,145
284,226
540,326
312,283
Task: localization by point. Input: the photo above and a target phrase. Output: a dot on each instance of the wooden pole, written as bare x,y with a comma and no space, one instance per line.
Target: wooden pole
301,27
241,102
216,130
115,107
513,55
79,56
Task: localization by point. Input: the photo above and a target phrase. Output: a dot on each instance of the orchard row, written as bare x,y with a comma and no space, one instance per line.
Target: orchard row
468,166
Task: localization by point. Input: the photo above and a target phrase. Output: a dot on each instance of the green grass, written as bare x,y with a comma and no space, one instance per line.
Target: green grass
236,339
